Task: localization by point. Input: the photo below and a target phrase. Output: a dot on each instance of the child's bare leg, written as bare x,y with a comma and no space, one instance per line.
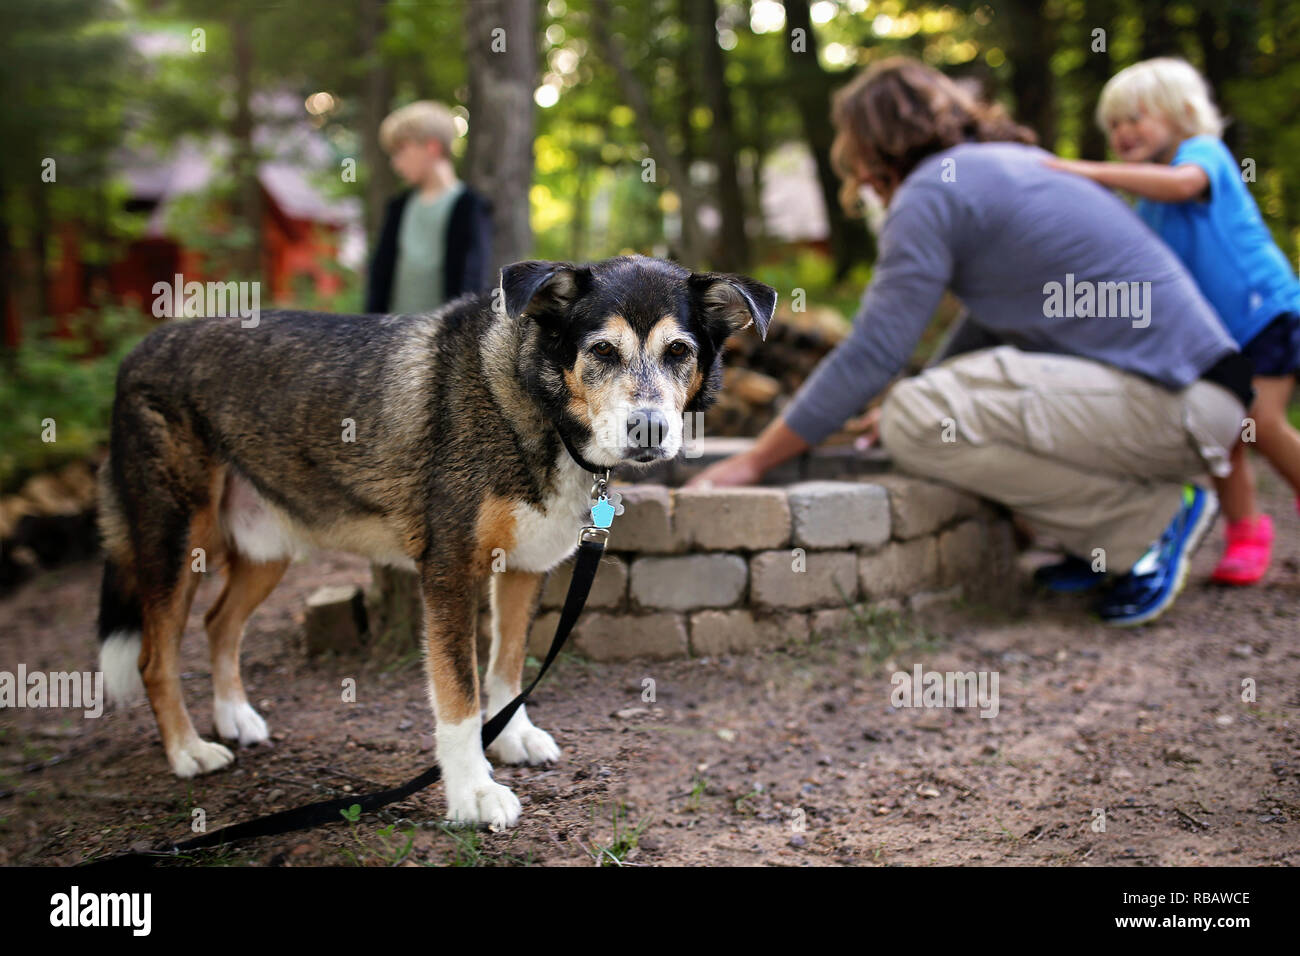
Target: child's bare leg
1248,534
1237,491
1276,439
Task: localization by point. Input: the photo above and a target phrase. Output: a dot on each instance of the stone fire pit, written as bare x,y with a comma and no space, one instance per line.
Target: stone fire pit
705,572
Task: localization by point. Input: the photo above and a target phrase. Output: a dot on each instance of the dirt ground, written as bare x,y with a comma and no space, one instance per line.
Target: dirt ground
734,754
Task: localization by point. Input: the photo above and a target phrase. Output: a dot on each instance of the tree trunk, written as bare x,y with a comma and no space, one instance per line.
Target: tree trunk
8,311
731,251
499,162
810,88
1097,69
1159,36
248,198
376,96
393,606
1032,40
688,97
393,612
41,247
1239,26
581,215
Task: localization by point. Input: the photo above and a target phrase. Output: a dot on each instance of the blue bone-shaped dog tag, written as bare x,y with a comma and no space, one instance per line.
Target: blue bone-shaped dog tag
603,511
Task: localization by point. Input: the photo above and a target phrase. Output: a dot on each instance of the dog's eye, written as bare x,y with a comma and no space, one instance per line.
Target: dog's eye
678,349
604,349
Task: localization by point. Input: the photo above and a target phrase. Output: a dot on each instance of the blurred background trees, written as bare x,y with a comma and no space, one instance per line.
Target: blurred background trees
657,126
238,139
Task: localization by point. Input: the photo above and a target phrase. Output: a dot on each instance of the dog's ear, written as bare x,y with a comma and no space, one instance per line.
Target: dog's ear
729,303
541,289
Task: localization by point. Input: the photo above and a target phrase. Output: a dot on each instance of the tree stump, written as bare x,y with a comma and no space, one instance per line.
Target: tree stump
395,615
394,612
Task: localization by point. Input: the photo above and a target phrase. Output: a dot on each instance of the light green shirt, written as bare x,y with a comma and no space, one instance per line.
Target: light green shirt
418,281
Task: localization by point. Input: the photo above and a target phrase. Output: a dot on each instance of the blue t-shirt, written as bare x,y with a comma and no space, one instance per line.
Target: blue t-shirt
1224,243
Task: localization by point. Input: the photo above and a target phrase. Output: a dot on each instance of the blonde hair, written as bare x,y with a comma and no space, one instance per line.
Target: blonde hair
418,122
897,112
1167,86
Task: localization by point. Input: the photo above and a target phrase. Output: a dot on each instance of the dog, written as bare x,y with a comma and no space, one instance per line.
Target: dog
441,443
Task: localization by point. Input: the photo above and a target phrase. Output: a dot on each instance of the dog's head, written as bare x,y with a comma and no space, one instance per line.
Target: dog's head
623,348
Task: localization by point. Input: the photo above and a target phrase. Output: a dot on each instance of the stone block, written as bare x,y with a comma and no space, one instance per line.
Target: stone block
608,590
776,582
899,569
646,524
918,507
724,519
725,632
688,581
839,514
621,637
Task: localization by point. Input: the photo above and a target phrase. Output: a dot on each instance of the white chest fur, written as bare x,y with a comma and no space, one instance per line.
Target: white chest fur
546,535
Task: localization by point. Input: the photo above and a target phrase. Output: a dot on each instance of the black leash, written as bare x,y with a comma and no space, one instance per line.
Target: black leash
591,546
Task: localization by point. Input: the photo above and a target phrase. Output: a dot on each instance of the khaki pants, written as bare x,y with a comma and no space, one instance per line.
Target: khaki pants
1091,455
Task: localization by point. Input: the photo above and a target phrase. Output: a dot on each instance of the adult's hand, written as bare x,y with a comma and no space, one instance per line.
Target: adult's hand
777,443
867,428
740,469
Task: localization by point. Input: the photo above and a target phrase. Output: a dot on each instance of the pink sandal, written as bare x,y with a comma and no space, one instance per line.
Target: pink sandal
1248,552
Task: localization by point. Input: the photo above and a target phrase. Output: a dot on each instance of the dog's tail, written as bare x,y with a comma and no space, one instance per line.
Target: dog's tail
121,617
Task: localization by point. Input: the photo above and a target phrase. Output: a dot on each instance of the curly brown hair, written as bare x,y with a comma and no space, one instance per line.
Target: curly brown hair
897,112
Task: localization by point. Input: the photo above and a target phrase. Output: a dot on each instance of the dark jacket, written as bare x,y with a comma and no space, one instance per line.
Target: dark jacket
468,251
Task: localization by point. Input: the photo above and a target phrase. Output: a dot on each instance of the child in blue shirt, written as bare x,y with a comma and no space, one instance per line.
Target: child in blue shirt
1165,130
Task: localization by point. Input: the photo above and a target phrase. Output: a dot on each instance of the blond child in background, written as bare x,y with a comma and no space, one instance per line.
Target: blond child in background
1165,130
436,239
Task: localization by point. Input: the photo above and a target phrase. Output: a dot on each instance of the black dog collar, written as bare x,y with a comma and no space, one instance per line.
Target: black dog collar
582,462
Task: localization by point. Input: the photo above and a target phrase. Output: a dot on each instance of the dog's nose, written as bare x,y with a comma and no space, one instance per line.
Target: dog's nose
646,428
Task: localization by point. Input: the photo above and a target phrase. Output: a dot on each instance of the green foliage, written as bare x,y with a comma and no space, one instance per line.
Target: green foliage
467,843
304,294
814,272
390,848
203,218
624,840
77,89
68,380
63,70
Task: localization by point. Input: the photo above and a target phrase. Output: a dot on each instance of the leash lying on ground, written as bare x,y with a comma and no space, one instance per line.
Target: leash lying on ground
591,546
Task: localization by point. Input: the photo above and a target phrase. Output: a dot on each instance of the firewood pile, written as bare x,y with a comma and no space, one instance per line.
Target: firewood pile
760,376
50,520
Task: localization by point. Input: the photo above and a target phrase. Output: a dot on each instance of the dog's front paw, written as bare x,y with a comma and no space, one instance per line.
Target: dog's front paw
198,756
237,720
485,803
525,744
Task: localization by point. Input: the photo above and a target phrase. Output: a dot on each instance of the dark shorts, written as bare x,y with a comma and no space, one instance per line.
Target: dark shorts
1275,351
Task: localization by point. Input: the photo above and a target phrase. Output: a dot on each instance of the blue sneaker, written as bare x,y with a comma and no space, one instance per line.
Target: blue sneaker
1151,586
1069,576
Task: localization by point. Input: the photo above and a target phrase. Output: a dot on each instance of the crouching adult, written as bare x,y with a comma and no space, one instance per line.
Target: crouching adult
1090,382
